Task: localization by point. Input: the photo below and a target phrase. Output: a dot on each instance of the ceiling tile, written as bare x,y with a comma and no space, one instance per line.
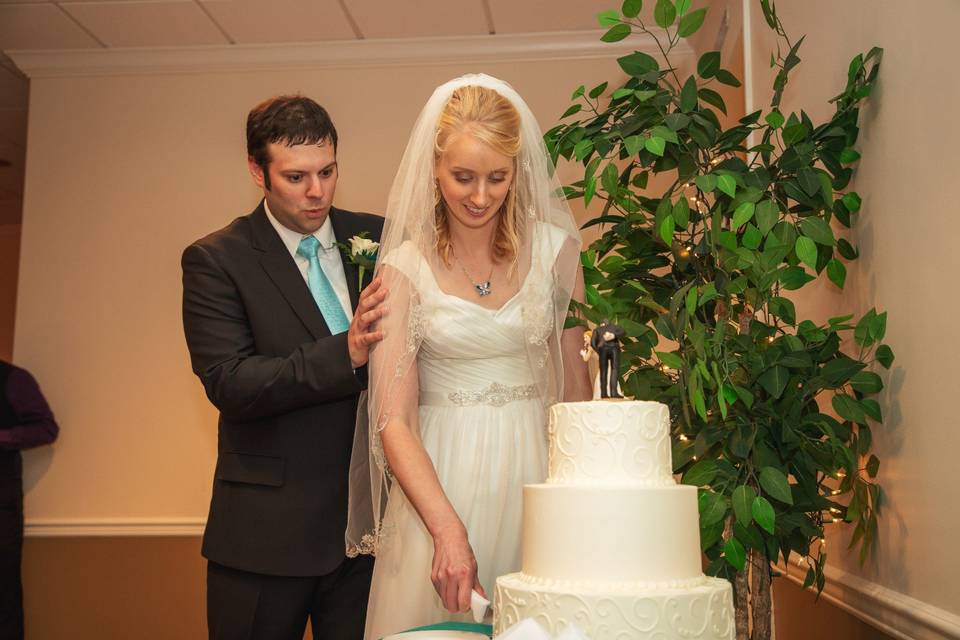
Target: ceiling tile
425,18
40,26
255,21
532,16
147,24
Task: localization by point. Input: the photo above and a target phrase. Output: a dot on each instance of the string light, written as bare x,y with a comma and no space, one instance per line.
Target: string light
683,438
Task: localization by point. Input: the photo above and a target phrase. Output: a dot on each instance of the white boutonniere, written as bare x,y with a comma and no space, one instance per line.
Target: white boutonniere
362,251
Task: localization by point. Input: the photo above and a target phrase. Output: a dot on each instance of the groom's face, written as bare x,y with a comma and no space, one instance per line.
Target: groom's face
303,179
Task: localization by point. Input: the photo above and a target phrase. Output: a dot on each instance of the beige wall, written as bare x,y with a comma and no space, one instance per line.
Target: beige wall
907,235
143,165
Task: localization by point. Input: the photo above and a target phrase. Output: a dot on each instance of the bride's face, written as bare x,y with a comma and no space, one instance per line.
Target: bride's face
474,180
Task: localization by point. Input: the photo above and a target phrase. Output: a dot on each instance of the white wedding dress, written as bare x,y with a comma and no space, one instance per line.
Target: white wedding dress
484,427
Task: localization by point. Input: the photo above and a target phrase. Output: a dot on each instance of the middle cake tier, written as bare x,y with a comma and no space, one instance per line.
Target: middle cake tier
611,534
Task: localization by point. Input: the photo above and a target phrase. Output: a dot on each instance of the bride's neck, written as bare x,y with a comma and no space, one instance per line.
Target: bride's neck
472,243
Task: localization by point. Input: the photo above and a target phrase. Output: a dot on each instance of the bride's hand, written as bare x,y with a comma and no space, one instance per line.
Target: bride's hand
454,572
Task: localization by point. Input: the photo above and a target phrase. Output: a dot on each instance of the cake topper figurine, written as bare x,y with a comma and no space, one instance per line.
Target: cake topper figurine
606,342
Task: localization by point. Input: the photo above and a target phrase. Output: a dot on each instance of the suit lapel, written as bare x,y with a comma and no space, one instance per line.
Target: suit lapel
283,271
344,229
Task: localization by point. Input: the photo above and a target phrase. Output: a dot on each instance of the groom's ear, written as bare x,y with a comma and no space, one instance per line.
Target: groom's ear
256,171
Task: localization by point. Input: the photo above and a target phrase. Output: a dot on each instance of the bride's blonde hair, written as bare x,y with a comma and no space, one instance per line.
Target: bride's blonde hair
492,119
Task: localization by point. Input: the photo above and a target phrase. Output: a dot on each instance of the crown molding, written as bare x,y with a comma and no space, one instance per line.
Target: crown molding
896,614
563,45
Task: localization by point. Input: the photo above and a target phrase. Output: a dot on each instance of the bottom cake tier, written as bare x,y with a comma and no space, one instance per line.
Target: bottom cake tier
700,608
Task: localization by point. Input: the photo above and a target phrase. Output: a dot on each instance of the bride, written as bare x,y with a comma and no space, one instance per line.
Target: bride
481,257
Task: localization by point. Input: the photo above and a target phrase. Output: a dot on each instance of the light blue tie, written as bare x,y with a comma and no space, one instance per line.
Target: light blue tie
321,288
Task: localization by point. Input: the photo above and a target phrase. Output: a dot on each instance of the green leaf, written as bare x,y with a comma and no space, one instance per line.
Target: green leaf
878,326
706,183
713,98
727,184
775,484
667,227
743,497
683,6
839,370
608,18
713,508
598,90
575,108
631,8
616,33
735,554
681,213
688,95
851,201
691,22
701,473
708,64
767,215
743,214
725,77
664,13
817,230
578,92
774,119
582,149
807,251
846,249
884,356
655,145
872,408
638,63
671,360
774,380
849,409
764,514
622,92
867,382
849,156
837,272
873,465
793,278
752,237
633,144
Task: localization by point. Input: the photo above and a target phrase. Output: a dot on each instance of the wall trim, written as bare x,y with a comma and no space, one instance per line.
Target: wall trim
894,613
100,527
561,45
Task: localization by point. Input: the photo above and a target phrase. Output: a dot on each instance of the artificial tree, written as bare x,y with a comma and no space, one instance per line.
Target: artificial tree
697,272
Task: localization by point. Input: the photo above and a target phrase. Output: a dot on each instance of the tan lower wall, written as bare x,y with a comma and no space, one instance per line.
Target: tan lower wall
152,588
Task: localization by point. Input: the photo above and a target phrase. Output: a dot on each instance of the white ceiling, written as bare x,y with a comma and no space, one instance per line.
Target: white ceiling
117,24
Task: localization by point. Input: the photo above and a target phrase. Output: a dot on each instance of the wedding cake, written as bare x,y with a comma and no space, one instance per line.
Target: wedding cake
611,543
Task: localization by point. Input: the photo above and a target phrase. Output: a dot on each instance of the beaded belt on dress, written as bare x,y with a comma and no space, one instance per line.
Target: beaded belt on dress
495,395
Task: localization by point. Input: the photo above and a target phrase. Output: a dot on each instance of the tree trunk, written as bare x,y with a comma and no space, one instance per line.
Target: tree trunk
741,603
761,595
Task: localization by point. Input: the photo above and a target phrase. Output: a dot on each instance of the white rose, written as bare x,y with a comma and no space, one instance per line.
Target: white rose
360,245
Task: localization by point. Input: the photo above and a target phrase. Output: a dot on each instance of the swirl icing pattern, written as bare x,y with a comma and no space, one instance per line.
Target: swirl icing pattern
610,443
698,612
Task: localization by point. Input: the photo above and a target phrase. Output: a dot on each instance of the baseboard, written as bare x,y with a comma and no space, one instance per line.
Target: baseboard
77,527
894,613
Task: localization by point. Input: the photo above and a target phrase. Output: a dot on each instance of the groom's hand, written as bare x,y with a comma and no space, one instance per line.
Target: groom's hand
362,333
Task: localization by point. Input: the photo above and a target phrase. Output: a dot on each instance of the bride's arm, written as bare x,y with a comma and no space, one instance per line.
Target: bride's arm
454,571
394,396
576,376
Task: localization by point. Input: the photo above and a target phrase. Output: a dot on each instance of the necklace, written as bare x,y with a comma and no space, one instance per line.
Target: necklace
483,288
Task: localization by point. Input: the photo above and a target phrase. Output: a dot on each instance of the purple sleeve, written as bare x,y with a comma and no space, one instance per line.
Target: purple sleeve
35,425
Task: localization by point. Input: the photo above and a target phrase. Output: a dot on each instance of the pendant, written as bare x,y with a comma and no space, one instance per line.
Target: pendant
483,288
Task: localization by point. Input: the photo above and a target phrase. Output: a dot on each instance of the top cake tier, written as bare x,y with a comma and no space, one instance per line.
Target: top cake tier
615,443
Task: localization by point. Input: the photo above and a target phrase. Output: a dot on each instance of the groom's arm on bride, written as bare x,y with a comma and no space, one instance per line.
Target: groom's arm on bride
246,384
576,376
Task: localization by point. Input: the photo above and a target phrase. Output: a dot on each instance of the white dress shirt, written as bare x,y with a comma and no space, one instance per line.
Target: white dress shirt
328,254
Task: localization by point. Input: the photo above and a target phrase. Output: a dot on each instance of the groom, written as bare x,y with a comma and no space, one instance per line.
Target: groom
279,336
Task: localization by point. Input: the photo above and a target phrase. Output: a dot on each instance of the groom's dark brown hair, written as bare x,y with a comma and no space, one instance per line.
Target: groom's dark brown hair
288,120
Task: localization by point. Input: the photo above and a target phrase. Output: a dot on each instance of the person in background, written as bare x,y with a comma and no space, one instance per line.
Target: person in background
25,421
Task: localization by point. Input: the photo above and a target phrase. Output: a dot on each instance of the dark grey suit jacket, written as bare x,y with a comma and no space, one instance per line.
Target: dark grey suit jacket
286,392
